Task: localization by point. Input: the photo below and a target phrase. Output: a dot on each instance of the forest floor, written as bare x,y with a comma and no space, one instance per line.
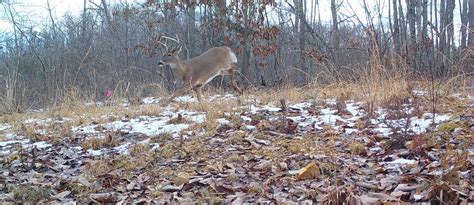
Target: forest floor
298,145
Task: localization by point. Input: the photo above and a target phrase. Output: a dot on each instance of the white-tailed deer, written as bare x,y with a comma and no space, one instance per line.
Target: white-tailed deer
200,70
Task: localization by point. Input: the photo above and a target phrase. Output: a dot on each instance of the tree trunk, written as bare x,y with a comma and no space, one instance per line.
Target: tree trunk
470,66
335,28
464,22
190,31
450,30
424,35
396,28
411,17
442,30
247,49
471,24
299,6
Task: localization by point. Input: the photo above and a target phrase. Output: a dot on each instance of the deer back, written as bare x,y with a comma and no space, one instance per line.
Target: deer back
215,61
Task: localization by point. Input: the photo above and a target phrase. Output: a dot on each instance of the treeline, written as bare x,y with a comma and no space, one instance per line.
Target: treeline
278,43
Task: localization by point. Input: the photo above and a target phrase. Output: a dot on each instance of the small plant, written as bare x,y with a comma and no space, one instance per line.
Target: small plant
358,149
452,125
98,167
417,144
76,188
34,194
235,158
93,143
138,149
161,138
236,137
233,177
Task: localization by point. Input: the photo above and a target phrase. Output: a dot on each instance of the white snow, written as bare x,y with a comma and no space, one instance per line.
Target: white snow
353,108
300,106
330,101
254,109
122,149
420,125
402,161
271,108
419,92
417,197
94,152
46,121
42,145
221,97
250,127
223,121
26,143
198,118
4,127
331,119
149,126
375,149
351,130
6,143
185,99
382,129
245,118
150,100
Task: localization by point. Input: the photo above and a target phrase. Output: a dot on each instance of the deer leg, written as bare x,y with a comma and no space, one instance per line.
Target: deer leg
198,90
234,83
177,93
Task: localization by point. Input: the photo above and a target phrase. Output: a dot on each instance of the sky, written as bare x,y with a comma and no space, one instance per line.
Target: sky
35,12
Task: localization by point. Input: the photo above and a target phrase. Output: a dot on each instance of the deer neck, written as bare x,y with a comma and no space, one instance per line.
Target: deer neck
179,68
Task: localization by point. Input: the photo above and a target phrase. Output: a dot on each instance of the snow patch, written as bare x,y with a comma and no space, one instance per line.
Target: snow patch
6,143
185,99
4,127
94,152
223,121
403,161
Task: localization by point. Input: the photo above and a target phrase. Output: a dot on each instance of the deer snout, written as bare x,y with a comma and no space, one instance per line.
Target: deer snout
161,63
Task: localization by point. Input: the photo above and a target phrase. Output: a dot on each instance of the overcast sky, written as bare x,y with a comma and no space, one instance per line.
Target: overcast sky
34,12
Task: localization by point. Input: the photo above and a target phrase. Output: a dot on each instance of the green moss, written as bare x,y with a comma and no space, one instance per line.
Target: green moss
27,193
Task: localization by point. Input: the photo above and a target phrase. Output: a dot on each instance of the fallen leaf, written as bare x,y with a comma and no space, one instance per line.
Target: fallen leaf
104,197
311,171
61,195
132,185
382,197
264,165
171,188
364,199
181,178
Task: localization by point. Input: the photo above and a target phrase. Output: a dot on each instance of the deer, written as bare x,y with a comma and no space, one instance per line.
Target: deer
198,71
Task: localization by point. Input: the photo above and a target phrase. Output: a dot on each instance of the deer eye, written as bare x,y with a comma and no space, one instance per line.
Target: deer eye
169,54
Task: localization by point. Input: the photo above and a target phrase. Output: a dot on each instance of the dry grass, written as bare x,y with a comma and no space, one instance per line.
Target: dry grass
374,92
376,85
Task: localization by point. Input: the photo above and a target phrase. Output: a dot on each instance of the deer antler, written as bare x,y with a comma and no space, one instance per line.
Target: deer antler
178,42
160,42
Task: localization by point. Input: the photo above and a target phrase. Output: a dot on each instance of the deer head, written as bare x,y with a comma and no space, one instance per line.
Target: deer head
171,56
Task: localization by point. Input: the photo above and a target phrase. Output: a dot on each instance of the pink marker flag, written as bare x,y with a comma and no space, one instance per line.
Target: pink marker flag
108,93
